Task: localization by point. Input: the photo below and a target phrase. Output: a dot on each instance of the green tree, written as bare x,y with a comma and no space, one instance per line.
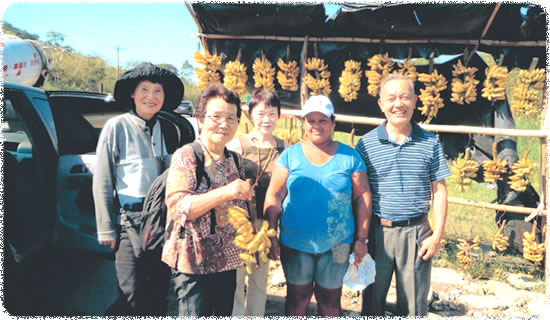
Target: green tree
187,71
55,38
187,75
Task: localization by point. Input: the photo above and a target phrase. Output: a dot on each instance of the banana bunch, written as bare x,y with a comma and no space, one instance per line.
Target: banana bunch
249,241
407,69
350,80
463,85
288,75
380,66
319,85
532,250
526,94
465,247
494,86
464,258
500,241
538,78
208,72
235,77
521,170
430,96
238,217
289,135
463,170
493,169
263,73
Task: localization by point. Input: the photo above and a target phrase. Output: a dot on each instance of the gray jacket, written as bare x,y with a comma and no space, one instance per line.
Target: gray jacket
128,159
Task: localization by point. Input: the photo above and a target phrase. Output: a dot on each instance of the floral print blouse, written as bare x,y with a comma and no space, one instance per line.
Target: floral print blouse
190,247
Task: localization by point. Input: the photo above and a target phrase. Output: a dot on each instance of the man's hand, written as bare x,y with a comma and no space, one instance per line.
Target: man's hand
428,247
360,250
111,243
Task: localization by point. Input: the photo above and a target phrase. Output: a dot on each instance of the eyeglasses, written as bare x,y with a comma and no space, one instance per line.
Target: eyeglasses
230,120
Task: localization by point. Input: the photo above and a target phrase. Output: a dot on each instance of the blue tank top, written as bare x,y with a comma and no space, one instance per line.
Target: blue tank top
317,211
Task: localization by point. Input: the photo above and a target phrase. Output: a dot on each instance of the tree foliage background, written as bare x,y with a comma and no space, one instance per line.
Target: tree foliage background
72,70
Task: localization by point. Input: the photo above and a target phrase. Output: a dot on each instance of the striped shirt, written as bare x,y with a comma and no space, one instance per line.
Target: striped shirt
400,175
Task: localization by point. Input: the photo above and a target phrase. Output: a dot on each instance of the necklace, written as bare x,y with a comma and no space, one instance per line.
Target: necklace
259,172
217,160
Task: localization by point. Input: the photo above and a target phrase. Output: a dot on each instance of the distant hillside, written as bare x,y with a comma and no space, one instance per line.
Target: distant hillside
7,28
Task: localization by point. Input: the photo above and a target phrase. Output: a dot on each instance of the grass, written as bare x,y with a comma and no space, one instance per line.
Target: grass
486,264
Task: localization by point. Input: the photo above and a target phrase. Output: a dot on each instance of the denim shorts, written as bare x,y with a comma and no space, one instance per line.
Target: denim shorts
327,269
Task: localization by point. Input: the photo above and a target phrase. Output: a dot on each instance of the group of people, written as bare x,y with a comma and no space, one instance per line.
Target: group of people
325,199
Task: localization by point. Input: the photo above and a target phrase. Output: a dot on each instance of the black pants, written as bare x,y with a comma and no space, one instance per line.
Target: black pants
205,294
143,284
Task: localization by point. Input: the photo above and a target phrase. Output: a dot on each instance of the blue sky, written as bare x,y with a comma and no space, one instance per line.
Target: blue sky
154,32
159,33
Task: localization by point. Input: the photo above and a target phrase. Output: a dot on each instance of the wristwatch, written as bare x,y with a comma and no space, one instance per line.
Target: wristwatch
364,240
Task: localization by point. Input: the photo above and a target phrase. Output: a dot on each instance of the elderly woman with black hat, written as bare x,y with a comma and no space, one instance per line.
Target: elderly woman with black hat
131,153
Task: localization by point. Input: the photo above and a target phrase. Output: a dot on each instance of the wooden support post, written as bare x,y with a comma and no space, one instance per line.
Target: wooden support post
432,57
303,72
202,37
534,63
493,206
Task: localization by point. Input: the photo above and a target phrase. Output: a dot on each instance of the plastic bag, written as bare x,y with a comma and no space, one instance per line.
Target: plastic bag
358,277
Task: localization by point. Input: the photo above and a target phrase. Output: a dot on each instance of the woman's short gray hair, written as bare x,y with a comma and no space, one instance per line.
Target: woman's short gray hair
396,76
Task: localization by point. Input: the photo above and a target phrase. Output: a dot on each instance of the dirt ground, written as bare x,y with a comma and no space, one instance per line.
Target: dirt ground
488,298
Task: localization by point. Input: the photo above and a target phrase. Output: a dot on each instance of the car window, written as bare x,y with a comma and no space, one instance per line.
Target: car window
16,136
45,113
79,121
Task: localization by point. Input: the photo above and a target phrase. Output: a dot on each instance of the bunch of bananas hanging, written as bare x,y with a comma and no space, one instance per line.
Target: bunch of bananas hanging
500,241
208,73
430,96
464,83
493,169
235,77
494,86
320,84
532,250
350,80
263,73
407,69
288,75
521,170
380,66
249,241
463,170
527,92
288,134
465,247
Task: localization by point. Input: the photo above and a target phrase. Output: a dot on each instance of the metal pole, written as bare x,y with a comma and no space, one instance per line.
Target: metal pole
118,48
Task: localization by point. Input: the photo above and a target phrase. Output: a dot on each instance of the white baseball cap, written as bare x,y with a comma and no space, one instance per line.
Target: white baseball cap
318,104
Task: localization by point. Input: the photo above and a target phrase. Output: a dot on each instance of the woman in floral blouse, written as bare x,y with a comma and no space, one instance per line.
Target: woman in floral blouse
200,247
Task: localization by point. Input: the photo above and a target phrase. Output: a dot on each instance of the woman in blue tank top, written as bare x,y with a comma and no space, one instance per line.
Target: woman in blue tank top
320,197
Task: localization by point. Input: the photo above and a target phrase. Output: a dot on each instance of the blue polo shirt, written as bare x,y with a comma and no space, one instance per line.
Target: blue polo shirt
400,175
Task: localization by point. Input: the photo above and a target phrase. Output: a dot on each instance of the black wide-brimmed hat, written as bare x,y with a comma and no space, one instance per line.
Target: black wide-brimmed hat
127,83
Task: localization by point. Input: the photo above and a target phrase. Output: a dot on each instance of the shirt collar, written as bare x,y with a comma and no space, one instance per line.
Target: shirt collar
416,132
142,122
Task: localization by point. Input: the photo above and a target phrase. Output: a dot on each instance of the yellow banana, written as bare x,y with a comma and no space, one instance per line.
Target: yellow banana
247,257
495,83
350,80
463,170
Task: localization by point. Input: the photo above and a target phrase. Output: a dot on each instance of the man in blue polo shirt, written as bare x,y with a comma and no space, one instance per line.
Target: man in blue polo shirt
406,168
